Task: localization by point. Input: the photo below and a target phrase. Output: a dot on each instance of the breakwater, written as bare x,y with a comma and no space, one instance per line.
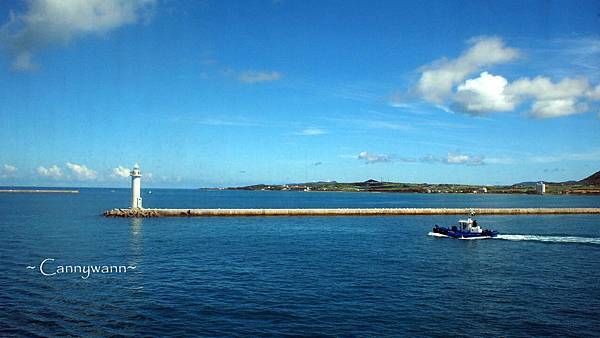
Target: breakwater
39,191
342,212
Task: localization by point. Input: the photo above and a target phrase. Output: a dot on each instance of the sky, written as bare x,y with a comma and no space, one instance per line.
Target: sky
227,93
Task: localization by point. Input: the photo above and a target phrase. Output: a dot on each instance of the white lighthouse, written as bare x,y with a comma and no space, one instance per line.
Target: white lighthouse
136,199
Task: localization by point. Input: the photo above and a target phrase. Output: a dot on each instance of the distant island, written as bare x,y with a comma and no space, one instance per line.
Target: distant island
588,185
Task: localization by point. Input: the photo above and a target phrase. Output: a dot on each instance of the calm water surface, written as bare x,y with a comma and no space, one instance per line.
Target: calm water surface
334,276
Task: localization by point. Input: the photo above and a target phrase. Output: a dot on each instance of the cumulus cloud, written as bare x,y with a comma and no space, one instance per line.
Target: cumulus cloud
483,94
555,108
439,78
445,82
251,76
311,132
493,93
550,99
120,172
51,172
57,22
373,158
544,89
81,172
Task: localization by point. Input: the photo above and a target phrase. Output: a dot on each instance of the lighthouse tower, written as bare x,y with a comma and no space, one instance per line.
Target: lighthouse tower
136,199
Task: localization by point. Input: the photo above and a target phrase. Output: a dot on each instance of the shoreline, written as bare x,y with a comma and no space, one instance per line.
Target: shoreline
576,193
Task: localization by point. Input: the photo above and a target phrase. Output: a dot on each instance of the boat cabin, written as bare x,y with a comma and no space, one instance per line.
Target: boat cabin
469,225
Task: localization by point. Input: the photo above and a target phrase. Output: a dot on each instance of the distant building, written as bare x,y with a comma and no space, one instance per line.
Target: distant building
482,190
540,188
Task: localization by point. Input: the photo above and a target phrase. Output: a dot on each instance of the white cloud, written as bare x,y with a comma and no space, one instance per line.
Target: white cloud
438,79
484,94
9,169
443,82
551,99
120,172
52,172
493,93
457,159
57,22
373,158
81,172
251,76
544,89
311,132
554,108
464,159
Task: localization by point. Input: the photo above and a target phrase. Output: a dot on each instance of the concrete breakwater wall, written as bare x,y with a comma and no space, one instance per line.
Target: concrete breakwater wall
39,191
342,212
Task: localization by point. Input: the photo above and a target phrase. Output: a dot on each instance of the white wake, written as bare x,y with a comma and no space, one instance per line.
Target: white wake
552,239
435,234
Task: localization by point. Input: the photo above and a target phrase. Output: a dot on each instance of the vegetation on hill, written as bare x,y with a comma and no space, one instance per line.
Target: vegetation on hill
589,185
592,179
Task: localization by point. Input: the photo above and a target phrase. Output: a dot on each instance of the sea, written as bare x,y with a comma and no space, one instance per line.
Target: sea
294,276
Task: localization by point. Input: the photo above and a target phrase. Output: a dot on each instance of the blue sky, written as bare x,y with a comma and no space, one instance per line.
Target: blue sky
223,93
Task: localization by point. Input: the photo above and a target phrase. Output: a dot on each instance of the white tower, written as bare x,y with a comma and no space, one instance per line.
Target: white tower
540,188
136,199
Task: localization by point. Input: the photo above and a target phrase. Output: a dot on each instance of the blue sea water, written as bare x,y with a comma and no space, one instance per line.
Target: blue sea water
298,276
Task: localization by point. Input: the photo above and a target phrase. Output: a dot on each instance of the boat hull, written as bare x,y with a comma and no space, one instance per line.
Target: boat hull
445,232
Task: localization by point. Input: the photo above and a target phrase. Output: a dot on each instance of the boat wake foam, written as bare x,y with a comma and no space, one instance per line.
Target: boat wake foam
551,239
475,238
435,234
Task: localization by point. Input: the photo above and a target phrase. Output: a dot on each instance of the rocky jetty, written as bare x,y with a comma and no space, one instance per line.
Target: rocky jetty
342,212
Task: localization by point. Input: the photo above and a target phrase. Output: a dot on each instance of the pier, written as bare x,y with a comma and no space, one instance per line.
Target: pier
39,191
142,213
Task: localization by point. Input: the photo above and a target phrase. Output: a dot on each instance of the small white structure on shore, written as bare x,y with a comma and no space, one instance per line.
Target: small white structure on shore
540,188
136,198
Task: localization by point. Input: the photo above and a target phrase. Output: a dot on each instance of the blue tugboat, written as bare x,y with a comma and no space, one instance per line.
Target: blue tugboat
466,229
